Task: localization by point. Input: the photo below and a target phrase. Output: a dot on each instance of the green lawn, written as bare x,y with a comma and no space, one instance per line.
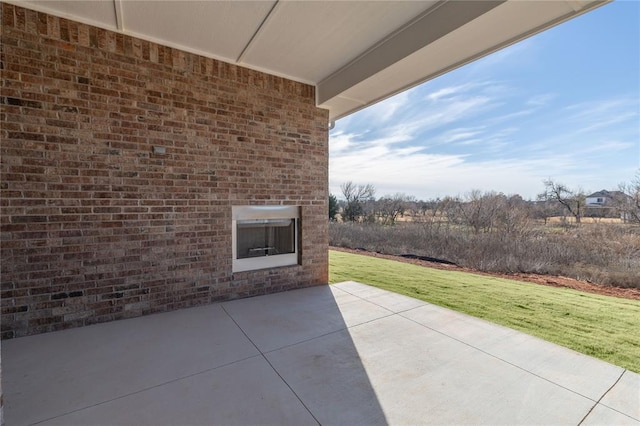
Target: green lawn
603,327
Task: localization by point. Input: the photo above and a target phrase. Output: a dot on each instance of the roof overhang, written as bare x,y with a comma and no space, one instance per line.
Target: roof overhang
355,53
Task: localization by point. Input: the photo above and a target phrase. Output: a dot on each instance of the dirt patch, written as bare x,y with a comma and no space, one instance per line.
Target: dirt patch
548,280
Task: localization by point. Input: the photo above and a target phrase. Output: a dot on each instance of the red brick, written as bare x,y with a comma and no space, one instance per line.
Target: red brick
89,210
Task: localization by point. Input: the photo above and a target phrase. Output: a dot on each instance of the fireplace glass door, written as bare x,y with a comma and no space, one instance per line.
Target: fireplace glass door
265,237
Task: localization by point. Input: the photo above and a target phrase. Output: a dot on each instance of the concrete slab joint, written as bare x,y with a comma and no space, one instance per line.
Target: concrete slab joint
341,354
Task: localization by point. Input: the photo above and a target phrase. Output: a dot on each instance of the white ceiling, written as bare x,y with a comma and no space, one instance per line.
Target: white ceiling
355,52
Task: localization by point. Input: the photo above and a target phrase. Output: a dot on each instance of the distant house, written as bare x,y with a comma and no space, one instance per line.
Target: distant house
605,203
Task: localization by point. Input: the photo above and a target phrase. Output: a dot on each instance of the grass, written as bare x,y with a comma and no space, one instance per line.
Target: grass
604,327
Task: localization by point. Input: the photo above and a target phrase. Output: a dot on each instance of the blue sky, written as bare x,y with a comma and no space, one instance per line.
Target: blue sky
564,104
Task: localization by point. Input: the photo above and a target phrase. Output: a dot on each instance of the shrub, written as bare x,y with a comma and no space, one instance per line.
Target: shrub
607,254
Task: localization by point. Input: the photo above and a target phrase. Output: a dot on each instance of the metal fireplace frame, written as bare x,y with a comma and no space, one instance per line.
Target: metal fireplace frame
261,216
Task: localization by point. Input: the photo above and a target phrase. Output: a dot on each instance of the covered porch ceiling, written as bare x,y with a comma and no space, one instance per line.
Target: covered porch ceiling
355,53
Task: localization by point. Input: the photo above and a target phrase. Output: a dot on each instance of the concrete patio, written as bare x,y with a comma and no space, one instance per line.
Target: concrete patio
342,354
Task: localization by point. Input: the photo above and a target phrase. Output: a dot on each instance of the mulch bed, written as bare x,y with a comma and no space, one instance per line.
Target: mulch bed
548,280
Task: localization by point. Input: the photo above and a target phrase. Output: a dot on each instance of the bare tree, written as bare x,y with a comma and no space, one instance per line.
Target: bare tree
489,212
545,209
426,207
452,210
390,207
478,210
513,214
355,197
628,203
430,213
571,200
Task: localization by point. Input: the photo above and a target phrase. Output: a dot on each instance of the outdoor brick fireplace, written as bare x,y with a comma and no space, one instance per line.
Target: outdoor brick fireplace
264,237
122,160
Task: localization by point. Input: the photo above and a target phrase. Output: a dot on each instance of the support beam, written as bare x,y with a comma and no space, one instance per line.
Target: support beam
430,26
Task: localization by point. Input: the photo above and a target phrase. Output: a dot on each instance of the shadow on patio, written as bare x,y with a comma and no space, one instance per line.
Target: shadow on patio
341,354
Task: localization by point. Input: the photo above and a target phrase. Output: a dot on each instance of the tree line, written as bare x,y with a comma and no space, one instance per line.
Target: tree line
483,211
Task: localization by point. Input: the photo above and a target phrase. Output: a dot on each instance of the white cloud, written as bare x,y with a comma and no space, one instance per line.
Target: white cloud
541,100
589,116
608,121
384,110
609,146
497,158
447,92
460,135
429,117
430,175
413,169
340,142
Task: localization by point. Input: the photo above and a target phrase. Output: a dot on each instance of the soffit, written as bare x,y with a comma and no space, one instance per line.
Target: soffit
355,52
323,36
498,28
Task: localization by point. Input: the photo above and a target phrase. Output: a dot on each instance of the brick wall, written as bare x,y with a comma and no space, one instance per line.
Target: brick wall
95,225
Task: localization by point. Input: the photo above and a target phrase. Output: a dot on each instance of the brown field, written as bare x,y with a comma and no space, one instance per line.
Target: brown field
559,219
551,220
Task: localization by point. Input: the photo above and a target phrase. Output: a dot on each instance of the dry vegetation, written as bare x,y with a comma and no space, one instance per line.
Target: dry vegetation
601,253
560,234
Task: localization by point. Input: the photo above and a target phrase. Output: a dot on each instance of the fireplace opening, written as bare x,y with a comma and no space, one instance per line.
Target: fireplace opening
264,237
